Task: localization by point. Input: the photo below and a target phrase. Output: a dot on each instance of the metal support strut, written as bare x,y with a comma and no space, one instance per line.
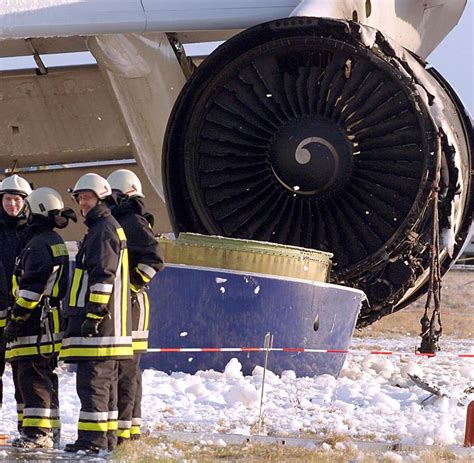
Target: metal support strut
431,327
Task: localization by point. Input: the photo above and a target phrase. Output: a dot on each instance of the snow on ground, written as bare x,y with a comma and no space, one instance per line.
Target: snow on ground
373,398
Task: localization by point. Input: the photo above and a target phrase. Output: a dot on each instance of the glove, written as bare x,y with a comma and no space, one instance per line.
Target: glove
90,327
136,281
10,334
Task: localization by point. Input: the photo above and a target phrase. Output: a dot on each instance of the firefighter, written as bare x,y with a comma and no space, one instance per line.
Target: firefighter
145,261
4,296
13,191
34,329
99,330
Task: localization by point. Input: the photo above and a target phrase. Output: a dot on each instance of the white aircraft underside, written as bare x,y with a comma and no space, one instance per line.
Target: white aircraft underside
418,25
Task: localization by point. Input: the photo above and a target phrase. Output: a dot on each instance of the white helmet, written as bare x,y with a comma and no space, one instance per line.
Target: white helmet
126,182
95,183
44,200
16,185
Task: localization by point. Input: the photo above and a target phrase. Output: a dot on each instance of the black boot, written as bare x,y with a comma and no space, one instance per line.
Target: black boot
79,447
37,441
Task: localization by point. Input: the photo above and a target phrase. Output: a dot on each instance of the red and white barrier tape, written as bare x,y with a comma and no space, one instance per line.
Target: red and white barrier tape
301,349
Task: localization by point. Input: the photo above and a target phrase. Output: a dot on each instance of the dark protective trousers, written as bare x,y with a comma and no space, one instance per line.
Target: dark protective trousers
129,398
137,407
96,386
36,392
2,365
18,397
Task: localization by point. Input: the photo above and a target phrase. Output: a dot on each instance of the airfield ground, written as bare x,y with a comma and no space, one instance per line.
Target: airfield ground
457,312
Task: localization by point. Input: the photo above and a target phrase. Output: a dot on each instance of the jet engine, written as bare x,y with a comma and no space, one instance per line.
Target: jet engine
325,134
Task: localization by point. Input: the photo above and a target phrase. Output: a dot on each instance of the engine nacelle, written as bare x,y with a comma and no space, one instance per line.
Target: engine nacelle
323,133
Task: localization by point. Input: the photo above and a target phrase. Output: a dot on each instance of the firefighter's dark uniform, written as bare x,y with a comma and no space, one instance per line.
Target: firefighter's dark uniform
10,244
145,261
39,284
4,297
99,291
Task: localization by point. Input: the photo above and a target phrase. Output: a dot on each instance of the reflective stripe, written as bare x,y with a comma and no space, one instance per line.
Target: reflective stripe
123,433
139,335
93,416
76,280
14,285
31,340
31,295
98,341
56,326
55,292
87,352
112,414
135,430
37,422
56,423
143,276
99,298
102,288
14,353
93,316
81,299
26,304
125,292
147,310
87,426
136,421
44,412
139,299
112,425
134,288
3,322
59,249
124,424
121,234
150,272
52,279
140,346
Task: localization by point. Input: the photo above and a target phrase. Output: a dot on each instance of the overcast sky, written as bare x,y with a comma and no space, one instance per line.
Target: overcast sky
454,57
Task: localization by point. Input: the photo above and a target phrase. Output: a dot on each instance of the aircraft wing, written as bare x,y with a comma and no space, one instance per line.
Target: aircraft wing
418,25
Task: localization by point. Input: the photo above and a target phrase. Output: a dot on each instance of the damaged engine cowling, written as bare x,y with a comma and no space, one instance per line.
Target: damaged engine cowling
323,134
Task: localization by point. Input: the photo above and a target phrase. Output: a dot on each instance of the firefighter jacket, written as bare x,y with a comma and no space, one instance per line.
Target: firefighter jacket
9,249
100,290
146,260
39,284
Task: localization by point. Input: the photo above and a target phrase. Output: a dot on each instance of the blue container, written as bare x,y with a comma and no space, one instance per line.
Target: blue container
206,307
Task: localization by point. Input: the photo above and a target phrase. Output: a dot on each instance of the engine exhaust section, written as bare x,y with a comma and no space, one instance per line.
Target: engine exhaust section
322,133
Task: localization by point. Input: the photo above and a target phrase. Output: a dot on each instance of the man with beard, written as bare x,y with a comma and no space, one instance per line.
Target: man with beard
99,329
